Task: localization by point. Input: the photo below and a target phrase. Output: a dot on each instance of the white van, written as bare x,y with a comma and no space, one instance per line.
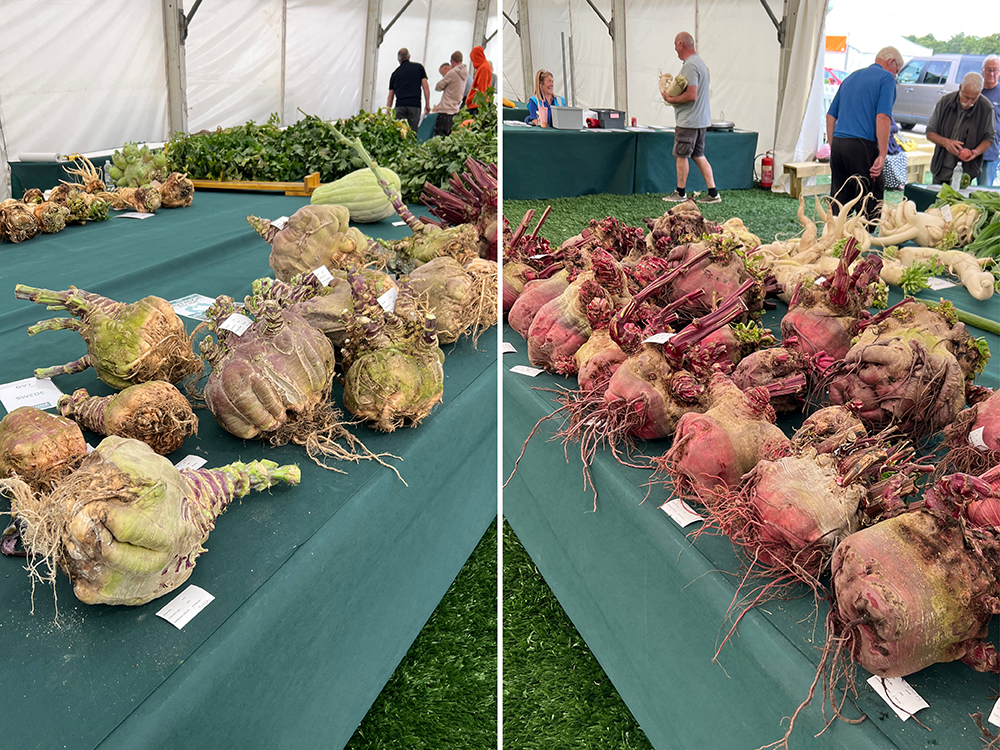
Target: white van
924,80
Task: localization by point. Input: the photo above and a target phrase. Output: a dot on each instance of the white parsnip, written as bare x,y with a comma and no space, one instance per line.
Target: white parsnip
967,268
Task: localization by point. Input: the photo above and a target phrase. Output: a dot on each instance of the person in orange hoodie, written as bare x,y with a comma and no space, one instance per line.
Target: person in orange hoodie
482,80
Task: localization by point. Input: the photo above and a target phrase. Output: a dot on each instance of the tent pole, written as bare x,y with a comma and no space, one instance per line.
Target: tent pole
523,31
173,19
479,24
284,38
373,38
620,58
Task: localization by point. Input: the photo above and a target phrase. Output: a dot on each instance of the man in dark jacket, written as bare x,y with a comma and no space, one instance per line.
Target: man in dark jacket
961,129
405,84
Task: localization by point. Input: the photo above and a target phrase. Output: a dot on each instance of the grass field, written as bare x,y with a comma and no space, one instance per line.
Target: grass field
444,692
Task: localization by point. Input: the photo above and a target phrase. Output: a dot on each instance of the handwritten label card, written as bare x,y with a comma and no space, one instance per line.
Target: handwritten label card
976,439
898,693
185,606
659,338
237,323
946,213
134,215
280,222
525,370
681,512
192,306
507,348
936,283
995,714
191,461
323,275
388,300
40,393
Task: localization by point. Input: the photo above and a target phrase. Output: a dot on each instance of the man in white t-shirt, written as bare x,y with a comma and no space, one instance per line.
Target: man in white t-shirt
692,116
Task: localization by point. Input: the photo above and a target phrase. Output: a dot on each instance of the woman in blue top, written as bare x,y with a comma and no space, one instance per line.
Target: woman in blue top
543,99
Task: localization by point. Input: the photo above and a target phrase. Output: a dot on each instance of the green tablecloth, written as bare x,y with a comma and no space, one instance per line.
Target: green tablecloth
651,603
550,163
731,155
319,590
514,113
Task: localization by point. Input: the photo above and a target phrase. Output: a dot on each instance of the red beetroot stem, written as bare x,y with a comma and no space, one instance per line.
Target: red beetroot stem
545,215
787,386
730,309
515,239
879,317
841,284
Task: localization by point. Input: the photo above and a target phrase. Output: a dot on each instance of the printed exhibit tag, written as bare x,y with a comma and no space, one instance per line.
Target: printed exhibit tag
192,306
191,461
41,393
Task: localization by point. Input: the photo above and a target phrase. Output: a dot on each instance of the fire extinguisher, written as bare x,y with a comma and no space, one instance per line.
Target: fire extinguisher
767,170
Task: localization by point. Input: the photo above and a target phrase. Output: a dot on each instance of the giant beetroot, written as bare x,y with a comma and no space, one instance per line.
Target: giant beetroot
909,366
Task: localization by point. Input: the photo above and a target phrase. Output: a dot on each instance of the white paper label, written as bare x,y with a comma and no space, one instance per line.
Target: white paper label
280,222
399,223
38,392
976,439
388,300
898,693
191,461
525,370
185,606
659,338
507,348
681,512
819,279
134,215
323,275
946,213
193,306
90,448
237,323
995,714
536,257
936,282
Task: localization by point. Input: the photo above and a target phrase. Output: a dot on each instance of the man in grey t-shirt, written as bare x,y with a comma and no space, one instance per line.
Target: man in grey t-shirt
693,116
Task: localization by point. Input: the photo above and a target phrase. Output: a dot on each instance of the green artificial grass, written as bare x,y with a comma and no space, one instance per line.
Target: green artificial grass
766,214
443,694
555,694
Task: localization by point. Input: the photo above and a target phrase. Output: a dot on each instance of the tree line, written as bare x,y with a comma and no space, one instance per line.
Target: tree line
960,44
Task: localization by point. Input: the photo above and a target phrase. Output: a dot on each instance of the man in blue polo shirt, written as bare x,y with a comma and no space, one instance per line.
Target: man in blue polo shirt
857,129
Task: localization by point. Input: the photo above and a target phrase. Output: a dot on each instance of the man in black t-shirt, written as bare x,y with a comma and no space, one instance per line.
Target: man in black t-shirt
405,84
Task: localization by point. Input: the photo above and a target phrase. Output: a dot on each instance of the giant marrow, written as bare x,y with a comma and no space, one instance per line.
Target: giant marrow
360,193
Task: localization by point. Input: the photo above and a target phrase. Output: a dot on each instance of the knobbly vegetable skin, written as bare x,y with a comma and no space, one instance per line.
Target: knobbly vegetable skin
393,363
126,343
155,413
909,364
913,590
462,298
712,451
279,369
38,446
314,236
127,526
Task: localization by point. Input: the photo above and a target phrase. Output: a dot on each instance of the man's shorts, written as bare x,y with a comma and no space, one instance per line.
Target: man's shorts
689,142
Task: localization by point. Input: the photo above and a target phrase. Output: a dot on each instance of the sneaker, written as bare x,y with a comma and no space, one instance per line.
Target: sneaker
675,197
711,199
